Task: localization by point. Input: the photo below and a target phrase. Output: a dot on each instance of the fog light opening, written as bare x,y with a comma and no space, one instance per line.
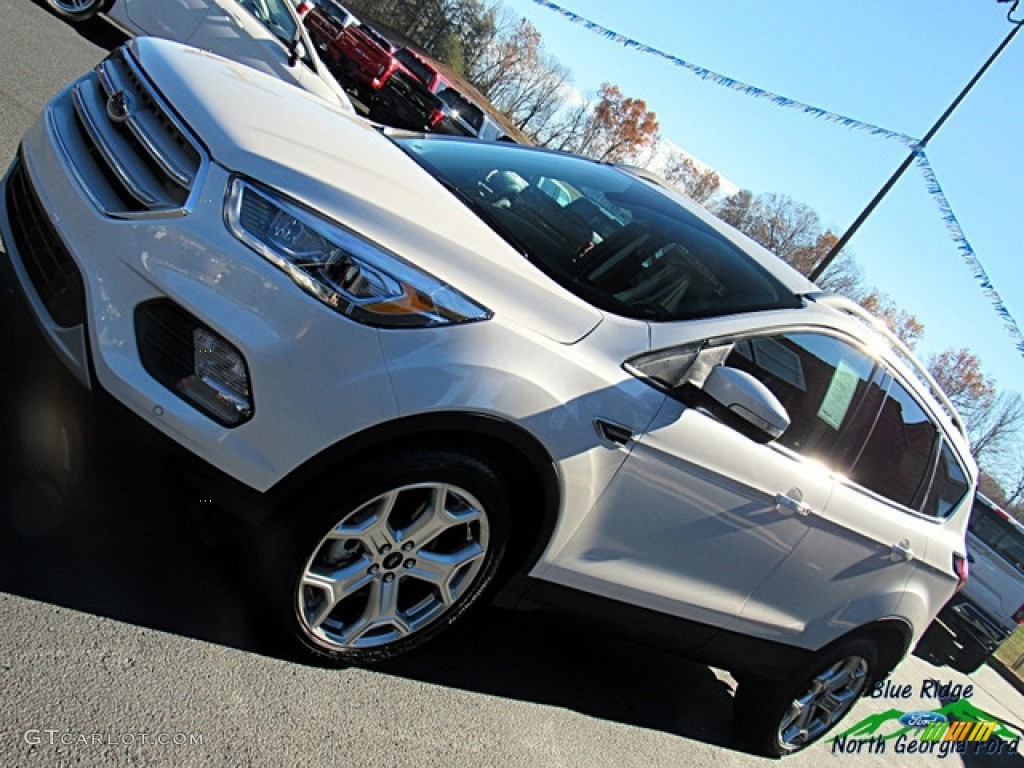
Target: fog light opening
219,383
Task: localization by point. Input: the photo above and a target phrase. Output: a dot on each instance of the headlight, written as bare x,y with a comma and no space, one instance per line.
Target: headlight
346,272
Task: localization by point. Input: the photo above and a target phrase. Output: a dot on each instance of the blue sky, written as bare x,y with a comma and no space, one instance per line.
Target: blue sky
893,64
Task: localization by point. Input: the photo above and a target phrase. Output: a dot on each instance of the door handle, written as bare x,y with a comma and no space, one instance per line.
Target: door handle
902,551
788,505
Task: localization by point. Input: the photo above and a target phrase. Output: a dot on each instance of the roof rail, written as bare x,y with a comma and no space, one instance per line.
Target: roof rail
852,308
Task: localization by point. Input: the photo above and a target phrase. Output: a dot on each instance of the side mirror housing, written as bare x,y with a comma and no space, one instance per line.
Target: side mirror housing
296,52
748,405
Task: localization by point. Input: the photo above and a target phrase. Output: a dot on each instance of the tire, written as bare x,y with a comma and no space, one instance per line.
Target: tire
384,558
779,718
76,11
970,659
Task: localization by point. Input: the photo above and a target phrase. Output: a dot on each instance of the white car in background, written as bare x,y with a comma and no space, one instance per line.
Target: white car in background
265,34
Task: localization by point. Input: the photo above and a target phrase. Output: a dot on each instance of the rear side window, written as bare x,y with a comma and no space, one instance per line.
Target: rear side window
949,486
897,459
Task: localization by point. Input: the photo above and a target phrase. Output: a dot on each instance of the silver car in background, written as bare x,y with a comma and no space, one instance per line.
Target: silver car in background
264,34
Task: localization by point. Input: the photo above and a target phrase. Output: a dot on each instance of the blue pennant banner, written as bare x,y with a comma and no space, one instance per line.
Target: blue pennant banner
966,251
728,82
932,182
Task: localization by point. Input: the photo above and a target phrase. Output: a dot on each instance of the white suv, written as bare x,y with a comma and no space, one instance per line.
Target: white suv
433,377
265,34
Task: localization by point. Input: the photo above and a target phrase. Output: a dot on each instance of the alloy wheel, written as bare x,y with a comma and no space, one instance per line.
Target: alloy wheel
829,697
393,566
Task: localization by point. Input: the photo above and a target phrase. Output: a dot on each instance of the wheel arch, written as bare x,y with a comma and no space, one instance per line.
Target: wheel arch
526,468
101,6
891,636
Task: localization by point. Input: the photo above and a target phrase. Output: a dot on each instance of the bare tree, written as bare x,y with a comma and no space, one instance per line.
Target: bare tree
997,428
958,372
903,324
843,275
698,184
616,129
738,210
519,77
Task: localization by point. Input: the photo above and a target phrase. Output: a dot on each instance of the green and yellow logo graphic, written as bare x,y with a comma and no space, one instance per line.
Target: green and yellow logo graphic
956,728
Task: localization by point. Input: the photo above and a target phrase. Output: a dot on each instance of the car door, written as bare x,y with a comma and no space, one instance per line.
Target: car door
862,548
700,515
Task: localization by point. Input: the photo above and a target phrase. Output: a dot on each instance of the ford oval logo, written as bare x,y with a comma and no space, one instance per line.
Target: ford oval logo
119,106
921,719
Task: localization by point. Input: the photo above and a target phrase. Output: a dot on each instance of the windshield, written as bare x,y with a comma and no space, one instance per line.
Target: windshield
462,108
411,62
608,237
274,15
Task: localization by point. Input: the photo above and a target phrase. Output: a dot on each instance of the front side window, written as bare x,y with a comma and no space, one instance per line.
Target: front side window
279,21
830,389
274,15
610,238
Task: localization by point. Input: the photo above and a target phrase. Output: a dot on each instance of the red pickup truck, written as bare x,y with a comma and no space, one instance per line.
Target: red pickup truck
409,88
368,61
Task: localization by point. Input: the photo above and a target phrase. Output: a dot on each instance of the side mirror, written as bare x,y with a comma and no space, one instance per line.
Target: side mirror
296,51
748,405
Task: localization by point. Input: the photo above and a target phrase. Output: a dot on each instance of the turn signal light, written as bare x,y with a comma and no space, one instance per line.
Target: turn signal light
960,569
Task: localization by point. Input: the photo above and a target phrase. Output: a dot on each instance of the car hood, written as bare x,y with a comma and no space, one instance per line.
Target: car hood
263,128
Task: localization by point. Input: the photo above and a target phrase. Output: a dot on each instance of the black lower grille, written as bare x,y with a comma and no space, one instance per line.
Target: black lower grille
164,335
51,269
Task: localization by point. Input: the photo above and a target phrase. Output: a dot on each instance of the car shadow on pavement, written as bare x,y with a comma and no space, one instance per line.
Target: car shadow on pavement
95,521
520,656
89,519
97,30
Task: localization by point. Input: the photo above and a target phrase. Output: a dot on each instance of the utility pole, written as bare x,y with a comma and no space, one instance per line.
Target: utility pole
919,147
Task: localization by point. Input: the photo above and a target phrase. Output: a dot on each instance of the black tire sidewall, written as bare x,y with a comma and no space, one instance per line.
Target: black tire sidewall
760,705
284,547
80,16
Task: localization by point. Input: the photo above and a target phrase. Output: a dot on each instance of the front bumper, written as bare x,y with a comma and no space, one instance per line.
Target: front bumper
316,376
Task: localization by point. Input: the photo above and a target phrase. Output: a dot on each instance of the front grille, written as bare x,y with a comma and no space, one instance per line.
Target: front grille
51,269
132,154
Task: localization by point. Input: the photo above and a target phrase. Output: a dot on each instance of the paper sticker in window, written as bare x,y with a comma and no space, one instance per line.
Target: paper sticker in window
839,396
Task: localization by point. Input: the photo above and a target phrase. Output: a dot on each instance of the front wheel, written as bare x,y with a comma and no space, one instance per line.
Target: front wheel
779,718
386,557
76,10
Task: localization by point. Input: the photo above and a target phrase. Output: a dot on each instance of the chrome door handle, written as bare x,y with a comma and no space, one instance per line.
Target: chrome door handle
902,551
787,505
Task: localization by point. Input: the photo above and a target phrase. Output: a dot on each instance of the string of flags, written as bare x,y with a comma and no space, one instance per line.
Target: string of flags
953,227
966,251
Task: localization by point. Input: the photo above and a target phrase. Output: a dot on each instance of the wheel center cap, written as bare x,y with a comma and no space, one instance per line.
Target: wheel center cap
393,560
